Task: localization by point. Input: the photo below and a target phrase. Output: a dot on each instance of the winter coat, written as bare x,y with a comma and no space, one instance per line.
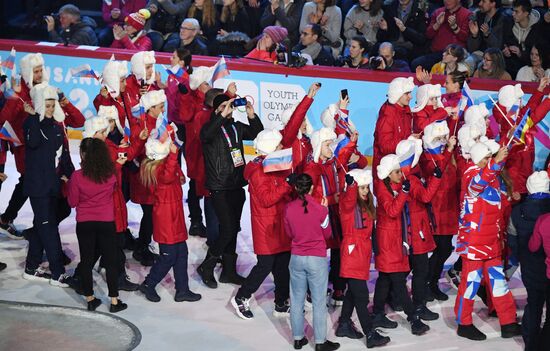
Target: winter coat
269,194
497,25
169,16
331,31
414,34
123,103
133,87
42,140
196,47
444,35
541,238
80,33
301,148
221,173
231,44
427,115
174,96
370,24
290,19
524,39
390,255
324,58
194,156
262,55
168,218
419,206
481,211
356,247
139,43
126,7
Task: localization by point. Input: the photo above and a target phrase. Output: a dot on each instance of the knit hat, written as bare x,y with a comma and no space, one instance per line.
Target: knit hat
138,62
267,141
42,92
112,72
317,139
218,100
110,113
538,182
138,19
492,145
285,117
479,151
200,75
476,115
155,149
95,124
467,136
152,98
276,33
424,93
387,164
508,95
361,176
405,145
398,87
327,118
30,62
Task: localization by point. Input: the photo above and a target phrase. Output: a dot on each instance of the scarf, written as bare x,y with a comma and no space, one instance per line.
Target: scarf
358,215
312,50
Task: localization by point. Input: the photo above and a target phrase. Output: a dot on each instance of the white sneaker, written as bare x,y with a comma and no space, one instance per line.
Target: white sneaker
60,282
37,275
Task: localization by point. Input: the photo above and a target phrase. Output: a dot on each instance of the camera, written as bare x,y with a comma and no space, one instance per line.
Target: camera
239,102
54,15
60,94
376,62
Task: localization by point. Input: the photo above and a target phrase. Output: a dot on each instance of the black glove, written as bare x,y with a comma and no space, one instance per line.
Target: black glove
406,186
437,172
3,78
291,179
182,88
349,179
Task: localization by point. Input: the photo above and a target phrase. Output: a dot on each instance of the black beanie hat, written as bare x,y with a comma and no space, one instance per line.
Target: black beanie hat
218,100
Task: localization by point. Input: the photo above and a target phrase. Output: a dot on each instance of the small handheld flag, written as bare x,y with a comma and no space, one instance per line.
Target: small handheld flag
220,70
83,71
9,63
280,160
466,100
163,128
7,133
138,112
173,72
406,159
524,125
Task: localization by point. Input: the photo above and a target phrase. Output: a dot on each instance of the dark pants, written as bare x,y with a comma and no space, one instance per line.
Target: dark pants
172,256
45,236
334,274
427,61
181,136
193,201
98,237
397,281
443,250
532,315
1,171
17,201
228,205
420,268
458,264
105,37
158,40
276,264
212,223
63,209
145,227
121,261
357,297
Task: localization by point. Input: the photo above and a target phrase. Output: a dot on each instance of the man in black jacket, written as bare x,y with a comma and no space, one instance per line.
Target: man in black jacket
74,29
309,45
189,39
487,29
222,141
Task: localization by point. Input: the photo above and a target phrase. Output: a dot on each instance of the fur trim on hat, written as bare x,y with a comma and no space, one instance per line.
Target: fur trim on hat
398,87
424,93
508,95
233,37
405,145
387,164
152,98
267,141
492,145
200,75
433,131
538,182
112,72
28,63
111,113
155,150
479,151
328,117
42,92
467,136
317,139
138,62
477,115
95,124
361,176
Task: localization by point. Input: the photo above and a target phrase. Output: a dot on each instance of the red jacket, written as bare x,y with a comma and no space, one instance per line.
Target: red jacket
139,194
390,256
174,97
168,218
481,213
444,35
427,115
300,147
269,194
190,105
421,229
262,55
133,88
141,43
194,156
123,104
356,247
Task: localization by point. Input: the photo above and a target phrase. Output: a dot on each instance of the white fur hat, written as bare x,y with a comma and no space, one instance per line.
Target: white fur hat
492,145
361,176
317,139
267,141
508,95
387,164
155,150
285,117
111,113
467,136
200,75
538,182
95,124
477,115
435,130
42,92
405,145
30,62
112,72
398,87
327,118
152,98
479,151
424,93
138,62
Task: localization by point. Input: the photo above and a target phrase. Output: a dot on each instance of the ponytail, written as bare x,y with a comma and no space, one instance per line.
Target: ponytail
303,186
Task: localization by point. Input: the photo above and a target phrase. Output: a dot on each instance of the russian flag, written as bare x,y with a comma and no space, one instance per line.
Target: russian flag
10,61
340,143
163,129
178,74
511,115
280,160
10,94
466,100
138,112
220,70
83,71
436,153
406,160
7,133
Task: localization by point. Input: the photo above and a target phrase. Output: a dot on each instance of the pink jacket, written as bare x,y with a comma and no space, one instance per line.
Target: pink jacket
541,237
126,7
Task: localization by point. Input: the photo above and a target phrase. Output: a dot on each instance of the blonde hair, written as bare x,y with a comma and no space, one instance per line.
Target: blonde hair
230,12
147,172
208,13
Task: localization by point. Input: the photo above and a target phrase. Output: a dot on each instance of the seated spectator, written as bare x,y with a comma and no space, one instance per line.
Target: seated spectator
74,29
453,59
357,51
540,65
235,29
166,16
254,9
448,25
284,13
328,16
266,46
114,12
189,39
387,52
364,19
520,37
132,36
405,28
487,28
205,12
309,45
492,66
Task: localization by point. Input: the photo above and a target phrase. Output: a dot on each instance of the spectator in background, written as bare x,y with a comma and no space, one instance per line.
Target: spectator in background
189,39
357,51
166,16
235,29
492,66
364,19
284,13
114,12
309,45
205,12
405,27
387,52
448,25
132,36
453,59
254,9
74,29
328,17
520,38
540,65
267,44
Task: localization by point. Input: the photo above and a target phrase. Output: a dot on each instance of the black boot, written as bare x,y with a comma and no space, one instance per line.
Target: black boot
437,293
417,326
129,240
470,332
327,346
125,284
425,314
510,330
206,270
197,229
347,329
381,321
229,271
374,339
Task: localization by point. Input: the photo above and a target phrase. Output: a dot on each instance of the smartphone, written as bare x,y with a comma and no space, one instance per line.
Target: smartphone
344,93
60,95
122,155
240,102
318,84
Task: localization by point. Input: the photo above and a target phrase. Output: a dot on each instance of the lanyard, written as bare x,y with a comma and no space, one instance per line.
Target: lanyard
227,136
